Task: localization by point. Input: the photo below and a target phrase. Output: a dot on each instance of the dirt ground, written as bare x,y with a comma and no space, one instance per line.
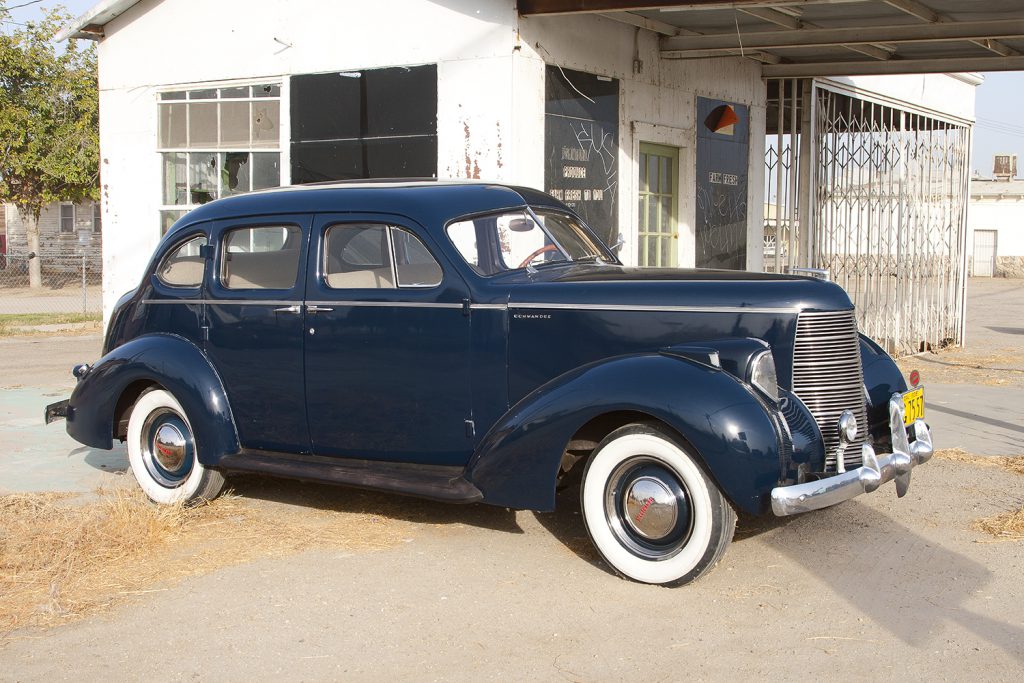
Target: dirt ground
875,589
878,588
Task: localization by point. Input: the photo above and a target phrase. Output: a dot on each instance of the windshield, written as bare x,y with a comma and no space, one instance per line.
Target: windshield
521,239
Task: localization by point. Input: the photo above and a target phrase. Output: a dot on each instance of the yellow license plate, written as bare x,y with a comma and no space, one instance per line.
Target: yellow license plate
913,403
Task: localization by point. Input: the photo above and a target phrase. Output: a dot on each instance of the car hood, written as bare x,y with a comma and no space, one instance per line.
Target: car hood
695,288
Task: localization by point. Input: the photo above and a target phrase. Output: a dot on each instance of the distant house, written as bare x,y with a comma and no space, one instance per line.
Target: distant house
995,243
68,233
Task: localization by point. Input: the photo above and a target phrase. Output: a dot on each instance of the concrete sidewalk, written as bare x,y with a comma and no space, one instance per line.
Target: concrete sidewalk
980,419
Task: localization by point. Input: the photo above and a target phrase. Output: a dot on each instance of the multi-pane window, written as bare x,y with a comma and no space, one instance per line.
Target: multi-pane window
97,218
217,142
67,219
658,230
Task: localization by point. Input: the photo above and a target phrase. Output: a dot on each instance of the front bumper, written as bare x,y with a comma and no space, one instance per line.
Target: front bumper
875,471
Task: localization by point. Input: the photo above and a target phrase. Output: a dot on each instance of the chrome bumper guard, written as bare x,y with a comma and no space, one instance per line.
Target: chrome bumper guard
875,471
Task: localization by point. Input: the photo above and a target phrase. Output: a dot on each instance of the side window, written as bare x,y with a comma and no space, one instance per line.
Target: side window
463,236
358,257
264,257
413,262
375,256
183,266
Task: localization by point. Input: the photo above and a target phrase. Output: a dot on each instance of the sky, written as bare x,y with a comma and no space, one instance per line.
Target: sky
1000,99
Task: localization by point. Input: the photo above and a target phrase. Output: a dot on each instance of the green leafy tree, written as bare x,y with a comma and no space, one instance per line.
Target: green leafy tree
49,123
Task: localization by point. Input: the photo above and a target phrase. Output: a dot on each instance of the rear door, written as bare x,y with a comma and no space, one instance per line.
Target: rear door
387,344
255,328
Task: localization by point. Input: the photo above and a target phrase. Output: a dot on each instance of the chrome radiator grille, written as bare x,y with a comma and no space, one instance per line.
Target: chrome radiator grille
828,378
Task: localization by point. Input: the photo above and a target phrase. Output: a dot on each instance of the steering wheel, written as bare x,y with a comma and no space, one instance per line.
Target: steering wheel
542,250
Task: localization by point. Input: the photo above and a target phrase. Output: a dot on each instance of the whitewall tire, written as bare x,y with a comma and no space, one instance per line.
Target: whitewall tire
163,453
650,510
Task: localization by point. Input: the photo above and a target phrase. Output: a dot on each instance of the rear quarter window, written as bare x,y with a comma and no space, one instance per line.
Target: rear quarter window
183,266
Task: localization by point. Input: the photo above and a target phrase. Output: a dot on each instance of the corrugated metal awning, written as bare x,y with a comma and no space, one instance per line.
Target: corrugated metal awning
803,38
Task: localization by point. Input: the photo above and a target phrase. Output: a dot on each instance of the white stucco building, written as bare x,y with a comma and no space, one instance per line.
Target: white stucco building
996,227
649,119
473,104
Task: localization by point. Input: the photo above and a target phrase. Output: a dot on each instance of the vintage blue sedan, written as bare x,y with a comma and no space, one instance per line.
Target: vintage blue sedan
477,342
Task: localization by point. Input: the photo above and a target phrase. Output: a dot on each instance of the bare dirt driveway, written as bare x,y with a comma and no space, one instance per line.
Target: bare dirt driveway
875,589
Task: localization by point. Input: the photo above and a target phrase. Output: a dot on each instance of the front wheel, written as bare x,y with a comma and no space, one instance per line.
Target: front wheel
163,453
650,510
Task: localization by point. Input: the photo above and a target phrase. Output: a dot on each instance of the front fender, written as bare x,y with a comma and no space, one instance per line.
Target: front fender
882,379
174,363
732,432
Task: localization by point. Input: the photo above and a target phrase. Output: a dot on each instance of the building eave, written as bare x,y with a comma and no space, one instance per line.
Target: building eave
89,26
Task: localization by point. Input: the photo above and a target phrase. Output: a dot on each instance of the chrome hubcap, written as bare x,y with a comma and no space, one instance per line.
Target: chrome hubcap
648,508
651,508
168,448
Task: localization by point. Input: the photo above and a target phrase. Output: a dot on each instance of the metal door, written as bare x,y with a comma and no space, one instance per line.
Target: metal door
984,253
387,357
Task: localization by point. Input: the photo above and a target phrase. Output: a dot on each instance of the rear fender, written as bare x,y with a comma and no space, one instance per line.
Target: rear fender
175,364
729,428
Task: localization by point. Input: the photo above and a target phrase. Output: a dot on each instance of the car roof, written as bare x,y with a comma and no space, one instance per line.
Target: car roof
430,202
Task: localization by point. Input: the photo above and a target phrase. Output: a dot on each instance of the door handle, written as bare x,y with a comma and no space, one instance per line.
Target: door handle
288,309
318,309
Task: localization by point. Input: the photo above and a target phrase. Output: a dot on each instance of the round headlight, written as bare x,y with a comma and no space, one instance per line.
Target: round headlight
847,427
762,375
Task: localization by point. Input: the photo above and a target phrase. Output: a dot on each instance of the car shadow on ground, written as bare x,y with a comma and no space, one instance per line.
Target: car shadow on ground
360,501
114,461
910,585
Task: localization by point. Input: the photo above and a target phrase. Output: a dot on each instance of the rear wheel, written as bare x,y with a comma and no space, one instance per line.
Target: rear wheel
163,453
650,510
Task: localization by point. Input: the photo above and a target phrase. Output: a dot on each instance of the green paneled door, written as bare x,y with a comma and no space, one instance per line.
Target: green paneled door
659,206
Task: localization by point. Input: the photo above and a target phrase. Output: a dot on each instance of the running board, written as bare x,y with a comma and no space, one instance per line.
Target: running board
445,484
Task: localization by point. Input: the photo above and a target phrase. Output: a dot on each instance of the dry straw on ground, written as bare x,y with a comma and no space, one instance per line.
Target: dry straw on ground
1006,526
62,558
1012,463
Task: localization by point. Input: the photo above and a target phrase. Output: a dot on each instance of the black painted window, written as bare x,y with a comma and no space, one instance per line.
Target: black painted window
581,146
380,123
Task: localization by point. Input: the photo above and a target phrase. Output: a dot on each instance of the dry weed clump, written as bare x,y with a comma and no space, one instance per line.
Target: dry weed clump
1013,463
1007,526
61,558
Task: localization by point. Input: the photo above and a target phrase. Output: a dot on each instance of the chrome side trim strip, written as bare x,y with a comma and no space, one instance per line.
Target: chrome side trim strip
383,304
225,302
482,307
653,309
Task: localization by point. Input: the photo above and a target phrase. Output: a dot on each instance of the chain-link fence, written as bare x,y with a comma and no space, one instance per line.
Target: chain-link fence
67,298
51,282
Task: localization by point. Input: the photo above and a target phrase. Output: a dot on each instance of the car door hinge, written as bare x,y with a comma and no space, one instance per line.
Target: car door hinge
466,307
470,429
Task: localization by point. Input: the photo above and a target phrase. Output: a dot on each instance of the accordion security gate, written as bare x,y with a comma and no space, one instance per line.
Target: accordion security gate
887,190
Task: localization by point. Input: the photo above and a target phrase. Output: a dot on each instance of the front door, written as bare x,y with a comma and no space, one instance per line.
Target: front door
659,206
387,345
254,336
984,253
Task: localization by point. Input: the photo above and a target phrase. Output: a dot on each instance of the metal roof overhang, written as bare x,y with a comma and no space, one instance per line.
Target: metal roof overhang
806,38
90,25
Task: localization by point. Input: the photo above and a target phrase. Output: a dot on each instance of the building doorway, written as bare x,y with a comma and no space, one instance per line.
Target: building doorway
658,220
984,253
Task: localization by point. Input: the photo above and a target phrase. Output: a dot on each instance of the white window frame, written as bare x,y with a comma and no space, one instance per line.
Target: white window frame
281,149
60,218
